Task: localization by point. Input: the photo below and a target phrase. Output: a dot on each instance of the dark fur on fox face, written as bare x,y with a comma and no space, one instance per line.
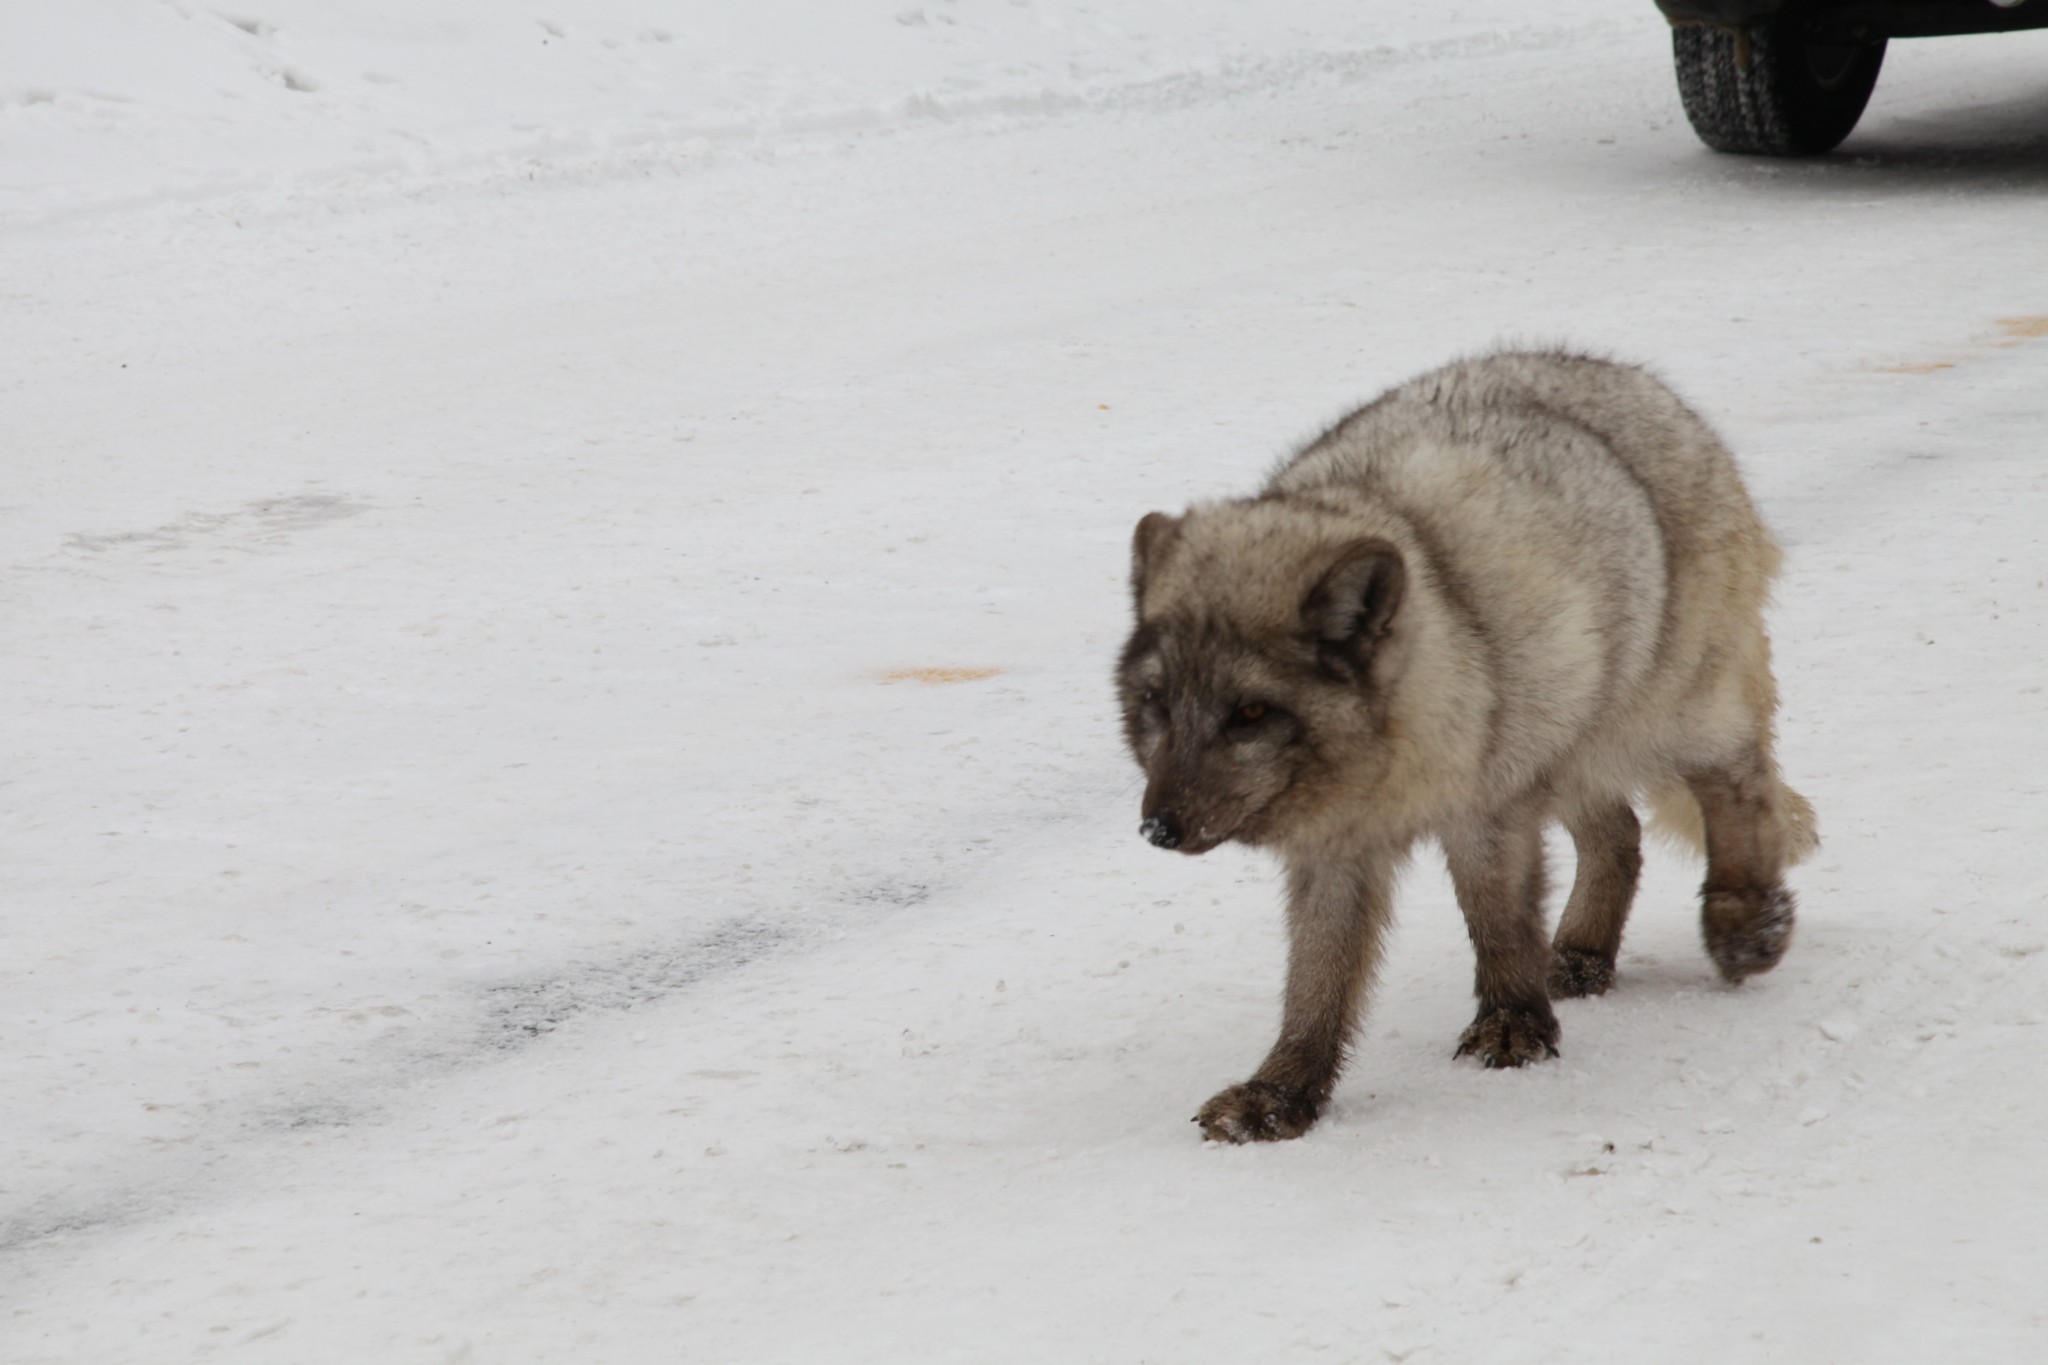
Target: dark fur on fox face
1224,714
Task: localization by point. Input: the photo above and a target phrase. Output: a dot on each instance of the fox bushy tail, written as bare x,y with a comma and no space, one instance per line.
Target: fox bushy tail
1675,814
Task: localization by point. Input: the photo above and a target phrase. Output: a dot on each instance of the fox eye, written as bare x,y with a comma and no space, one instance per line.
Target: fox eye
1249,713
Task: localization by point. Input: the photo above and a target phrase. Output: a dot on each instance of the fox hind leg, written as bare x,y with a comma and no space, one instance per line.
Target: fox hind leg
1608,840
1746,913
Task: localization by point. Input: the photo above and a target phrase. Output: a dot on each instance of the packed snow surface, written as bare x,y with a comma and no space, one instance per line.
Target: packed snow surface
563,798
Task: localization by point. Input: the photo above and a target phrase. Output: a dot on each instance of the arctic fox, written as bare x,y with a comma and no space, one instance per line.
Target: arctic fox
1520,588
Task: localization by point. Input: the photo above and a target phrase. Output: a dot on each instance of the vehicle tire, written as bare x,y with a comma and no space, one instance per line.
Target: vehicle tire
1790,97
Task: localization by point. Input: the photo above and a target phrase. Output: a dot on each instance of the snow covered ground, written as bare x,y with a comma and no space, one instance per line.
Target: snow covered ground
563,800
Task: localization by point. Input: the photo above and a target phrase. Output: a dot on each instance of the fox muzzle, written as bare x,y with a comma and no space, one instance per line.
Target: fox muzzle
1163,830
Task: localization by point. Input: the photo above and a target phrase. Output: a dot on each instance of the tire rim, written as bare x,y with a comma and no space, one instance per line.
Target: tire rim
1831,66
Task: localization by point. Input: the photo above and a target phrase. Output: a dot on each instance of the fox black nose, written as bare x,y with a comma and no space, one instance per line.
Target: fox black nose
1163,830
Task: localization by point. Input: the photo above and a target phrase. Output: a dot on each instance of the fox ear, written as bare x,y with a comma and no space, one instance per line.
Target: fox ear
1352,607
1155,532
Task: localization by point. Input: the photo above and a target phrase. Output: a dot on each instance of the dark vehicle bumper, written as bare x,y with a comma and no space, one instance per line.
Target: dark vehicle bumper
1863,21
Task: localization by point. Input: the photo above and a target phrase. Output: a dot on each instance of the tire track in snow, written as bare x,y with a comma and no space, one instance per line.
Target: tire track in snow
522,1012
511,1017
574,157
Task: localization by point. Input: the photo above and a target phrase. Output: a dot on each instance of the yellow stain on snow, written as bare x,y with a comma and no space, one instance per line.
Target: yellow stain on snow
935,676
2012,332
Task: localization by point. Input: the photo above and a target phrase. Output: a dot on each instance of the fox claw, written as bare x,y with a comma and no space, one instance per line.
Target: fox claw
1504,1038
1257,1111
1578,972
1747,931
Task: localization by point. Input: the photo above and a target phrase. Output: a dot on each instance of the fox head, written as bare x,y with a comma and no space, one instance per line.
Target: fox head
1269,639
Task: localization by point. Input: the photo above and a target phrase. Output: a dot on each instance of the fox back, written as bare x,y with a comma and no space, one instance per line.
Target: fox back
1506,572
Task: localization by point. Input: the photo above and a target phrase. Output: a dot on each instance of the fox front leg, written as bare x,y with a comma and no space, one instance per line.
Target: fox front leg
1336,919
1497,870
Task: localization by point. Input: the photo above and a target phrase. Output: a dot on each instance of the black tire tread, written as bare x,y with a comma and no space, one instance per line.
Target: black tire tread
1768,106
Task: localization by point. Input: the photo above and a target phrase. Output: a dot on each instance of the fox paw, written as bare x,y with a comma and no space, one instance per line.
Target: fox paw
1576,972
1509,1037
1747,931
1258,1111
